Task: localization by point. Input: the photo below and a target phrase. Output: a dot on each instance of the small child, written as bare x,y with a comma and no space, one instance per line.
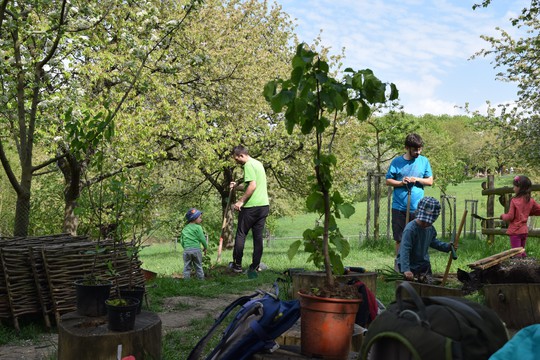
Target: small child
418,236
521,207
191,239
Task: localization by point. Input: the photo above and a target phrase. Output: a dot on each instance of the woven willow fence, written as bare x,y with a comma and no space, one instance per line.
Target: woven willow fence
39,272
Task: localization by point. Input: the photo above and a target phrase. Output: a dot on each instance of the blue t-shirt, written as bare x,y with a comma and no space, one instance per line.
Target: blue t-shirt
400,168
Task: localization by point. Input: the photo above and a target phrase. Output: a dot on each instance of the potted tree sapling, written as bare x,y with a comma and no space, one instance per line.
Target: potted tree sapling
316,103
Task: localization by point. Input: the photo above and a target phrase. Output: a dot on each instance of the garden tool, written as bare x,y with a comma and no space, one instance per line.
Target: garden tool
224,225
453,247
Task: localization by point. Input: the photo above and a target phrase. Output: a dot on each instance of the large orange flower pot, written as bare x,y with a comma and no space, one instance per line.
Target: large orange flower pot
326,326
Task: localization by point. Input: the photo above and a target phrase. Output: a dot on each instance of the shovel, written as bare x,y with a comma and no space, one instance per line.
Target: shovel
476,216
453,255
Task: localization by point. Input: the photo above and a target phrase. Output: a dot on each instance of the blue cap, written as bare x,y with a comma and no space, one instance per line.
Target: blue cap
193,214
428,210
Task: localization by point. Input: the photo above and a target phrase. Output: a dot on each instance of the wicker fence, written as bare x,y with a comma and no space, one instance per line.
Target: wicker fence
39,272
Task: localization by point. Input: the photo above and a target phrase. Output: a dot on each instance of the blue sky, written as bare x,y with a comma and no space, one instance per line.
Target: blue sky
424,47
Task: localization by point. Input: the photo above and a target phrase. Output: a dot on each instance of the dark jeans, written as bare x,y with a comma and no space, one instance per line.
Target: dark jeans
253,218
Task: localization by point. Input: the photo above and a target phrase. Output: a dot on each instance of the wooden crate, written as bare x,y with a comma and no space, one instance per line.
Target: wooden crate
432,290
518,305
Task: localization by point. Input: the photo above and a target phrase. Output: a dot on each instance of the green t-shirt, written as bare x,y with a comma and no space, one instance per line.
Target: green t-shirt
192,237
254,171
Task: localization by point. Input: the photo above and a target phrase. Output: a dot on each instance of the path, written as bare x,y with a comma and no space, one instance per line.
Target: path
177,313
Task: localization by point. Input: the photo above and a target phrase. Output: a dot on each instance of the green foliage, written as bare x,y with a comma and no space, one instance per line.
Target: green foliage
314,101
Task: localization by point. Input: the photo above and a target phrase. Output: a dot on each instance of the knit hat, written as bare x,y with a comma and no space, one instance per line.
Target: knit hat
428,210
193,214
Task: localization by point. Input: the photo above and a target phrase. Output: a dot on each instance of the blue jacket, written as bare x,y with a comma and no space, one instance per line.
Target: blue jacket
413,251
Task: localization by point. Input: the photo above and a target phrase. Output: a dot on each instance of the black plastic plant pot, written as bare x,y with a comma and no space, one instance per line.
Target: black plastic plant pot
91,298
136,292
122,317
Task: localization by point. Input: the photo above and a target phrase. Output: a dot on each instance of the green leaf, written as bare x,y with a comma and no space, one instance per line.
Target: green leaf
337,198
337,264
293,249
269,90
296,75
374,89
346,209
394,93
351,107
315,202
363,110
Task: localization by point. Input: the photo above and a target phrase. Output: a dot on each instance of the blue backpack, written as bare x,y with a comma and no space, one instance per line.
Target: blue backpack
261,319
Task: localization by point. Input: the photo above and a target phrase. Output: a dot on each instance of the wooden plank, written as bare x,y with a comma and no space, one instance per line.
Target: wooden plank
496,258
534,292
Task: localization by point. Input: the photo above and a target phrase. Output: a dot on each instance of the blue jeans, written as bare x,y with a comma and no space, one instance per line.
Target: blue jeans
193,257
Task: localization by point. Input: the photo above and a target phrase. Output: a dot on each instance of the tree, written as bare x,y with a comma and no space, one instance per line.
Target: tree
314,101
518,59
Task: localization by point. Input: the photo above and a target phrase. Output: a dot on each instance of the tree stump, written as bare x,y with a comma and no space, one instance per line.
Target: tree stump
88,338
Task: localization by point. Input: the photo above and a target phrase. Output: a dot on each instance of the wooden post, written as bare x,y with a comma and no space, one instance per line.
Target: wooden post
389,213
376,206
368,203
490,208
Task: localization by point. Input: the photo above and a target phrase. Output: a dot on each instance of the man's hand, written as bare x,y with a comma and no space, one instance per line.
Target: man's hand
238,205
409,180
408,275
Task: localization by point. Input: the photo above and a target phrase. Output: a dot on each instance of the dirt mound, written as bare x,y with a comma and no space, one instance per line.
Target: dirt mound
512,271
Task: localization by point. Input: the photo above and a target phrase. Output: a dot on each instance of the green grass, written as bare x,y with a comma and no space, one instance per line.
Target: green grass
292,227
372,256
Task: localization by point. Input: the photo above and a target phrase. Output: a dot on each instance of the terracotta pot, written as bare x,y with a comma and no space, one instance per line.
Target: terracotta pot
149,275
326,326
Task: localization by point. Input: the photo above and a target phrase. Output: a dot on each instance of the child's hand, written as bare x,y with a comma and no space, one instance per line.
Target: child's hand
204,251
408,275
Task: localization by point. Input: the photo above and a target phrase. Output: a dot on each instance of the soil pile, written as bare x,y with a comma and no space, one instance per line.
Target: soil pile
512,271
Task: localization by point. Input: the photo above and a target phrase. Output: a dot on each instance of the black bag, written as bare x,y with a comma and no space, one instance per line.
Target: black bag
261,319
433,327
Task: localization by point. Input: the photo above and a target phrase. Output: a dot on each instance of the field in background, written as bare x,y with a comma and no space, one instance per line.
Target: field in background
292,227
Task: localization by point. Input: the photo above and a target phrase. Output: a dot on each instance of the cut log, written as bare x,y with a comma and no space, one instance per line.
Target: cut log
495,259
88,338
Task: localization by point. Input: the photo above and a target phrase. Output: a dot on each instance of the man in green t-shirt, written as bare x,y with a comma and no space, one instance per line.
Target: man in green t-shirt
253,208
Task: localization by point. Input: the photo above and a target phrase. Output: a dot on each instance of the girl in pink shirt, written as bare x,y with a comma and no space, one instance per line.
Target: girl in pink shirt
521,207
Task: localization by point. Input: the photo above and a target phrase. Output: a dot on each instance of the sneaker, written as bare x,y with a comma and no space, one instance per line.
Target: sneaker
236,268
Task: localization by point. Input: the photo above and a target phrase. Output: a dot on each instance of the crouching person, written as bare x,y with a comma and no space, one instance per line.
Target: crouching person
418,236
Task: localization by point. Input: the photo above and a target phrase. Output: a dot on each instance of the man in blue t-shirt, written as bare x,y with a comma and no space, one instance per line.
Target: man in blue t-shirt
407,174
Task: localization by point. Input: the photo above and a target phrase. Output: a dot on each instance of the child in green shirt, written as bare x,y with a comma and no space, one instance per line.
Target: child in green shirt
191,239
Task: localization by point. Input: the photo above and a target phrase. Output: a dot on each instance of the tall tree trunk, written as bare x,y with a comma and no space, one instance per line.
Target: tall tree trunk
227,211
22,209
71,169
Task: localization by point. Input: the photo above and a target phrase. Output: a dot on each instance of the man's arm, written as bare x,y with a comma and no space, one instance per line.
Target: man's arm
252,185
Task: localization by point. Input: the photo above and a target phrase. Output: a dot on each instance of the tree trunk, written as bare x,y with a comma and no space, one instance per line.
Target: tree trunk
22,213
228,213
71,169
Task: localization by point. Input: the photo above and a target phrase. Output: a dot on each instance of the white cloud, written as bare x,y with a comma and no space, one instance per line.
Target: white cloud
418,44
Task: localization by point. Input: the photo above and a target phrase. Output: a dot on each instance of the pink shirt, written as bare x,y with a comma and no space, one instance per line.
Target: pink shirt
518,214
